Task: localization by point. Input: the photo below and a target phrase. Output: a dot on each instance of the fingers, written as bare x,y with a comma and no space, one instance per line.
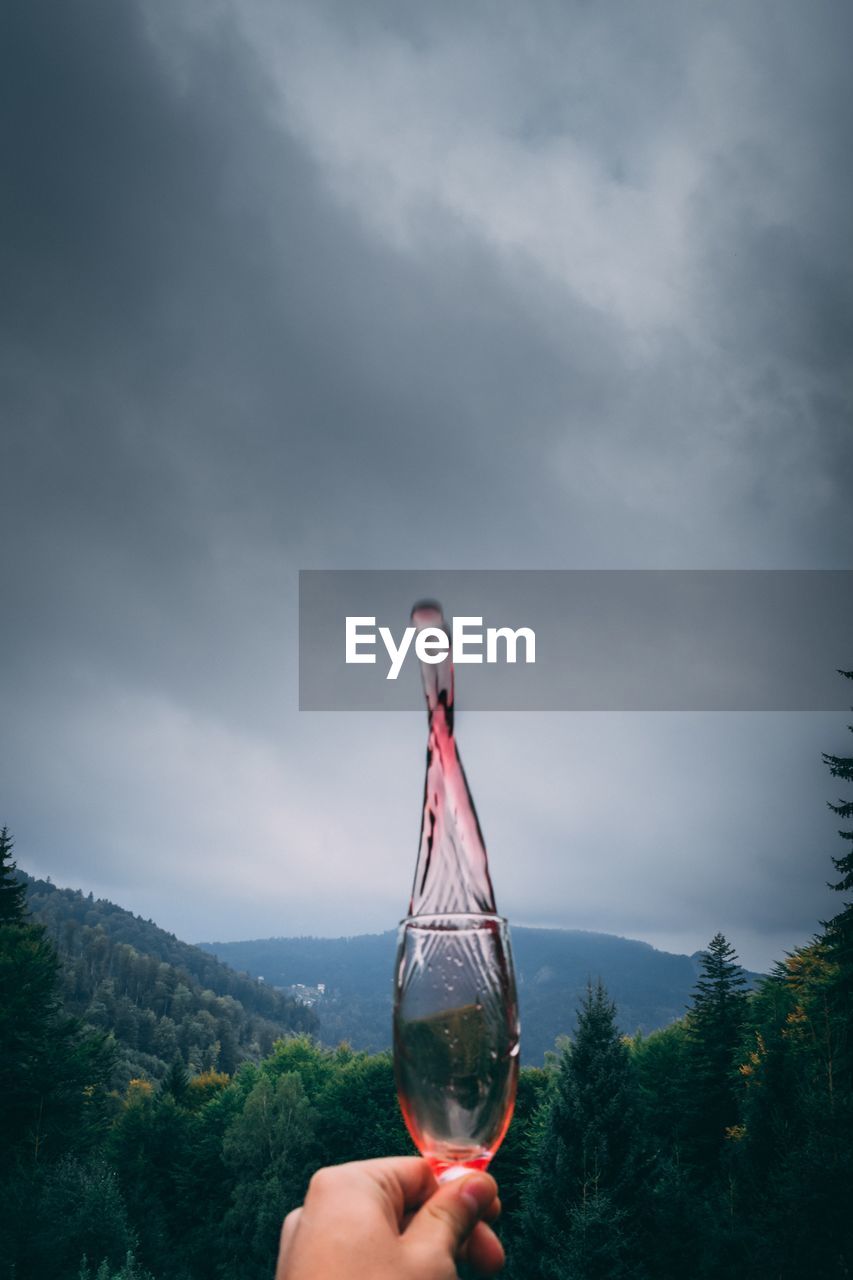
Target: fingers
399,1183
345,1207
448,1217
494,1210
407,1177
491,1215
288,1231
484,1251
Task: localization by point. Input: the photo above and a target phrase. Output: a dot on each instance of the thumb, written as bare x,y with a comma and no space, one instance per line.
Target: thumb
447,1219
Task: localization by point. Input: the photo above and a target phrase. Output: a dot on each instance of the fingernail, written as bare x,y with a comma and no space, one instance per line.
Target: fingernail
478,1193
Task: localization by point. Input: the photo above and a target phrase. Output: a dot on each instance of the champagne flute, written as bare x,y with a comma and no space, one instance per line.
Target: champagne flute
456,1037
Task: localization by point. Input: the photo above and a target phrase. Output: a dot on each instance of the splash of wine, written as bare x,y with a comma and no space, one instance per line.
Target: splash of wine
455,1007
452,872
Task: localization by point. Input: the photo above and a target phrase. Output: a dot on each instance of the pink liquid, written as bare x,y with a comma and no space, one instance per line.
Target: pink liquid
444,1164
455,1037
452,872
456,1121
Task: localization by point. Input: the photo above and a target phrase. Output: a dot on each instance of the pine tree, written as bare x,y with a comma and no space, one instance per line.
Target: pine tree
177,1081
12,890
584,1197
798,1105
51,1070
29,1010
715,1027
52,1078
838,935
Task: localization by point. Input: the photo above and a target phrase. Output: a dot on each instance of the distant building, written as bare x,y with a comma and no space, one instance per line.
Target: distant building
307,995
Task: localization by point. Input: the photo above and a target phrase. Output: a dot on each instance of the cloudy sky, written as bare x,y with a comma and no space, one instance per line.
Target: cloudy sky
323,285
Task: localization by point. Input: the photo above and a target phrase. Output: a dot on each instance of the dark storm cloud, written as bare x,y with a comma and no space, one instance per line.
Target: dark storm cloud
201,348
377,285
681,172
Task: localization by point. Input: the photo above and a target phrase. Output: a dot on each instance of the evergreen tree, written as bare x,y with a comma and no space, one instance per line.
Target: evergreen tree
47,1062
510,1164
52,1076
794,1160
177,1081
584,1196
715,1028
12,890
793,1155
839,931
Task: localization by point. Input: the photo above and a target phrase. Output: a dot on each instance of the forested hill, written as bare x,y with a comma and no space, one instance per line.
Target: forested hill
651,988
162,999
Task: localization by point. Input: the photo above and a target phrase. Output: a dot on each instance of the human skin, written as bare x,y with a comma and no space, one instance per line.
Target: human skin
390,1220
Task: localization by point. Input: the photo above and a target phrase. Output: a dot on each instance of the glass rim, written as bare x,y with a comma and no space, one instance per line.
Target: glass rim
453,919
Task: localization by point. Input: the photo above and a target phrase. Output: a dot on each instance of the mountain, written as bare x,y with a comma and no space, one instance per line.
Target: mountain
164,999
651,988
161,999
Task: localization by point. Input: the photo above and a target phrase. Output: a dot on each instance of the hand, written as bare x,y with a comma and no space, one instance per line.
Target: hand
389,1220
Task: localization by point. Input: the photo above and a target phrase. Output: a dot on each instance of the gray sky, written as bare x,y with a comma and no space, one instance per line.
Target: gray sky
329,285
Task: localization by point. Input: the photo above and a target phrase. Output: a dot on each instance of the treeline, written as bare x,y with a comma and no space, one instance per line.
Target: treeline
159,998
